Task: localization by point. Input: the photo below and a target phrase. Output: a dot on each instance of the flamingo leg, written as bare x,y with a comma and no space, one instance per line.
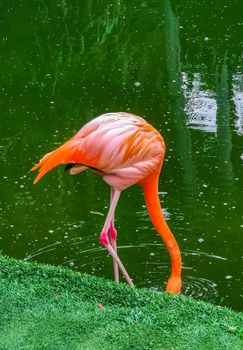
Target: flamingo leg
113,236
104,237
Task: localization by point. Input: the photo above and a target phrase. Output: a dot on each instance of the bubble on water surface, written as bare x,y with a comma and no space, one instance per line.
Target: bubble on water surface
228,277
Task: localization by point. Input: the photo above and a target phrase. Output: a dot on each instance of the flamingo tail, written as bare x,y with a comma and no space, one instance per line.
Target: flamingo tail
69,152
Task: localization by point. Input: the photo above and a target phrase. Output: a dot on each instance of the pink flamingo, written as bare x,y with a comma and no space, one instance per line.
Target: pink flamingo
125,150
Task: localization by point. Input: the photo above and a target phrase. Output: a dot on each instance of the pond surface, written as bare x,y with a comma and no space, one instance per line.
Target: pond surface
176,63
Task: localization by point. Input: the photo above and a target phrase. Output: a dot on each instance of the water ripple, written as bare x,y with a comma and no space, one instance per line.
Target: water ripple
200,288
157,270
42,250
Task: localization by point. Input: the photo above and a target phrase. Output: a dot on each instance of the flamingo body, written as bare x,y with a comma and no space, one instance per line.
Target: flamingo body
125,150
122,147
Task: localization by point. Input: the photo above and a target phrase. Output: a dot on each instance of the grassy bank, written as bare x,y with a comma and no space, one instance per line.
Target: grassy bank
45,307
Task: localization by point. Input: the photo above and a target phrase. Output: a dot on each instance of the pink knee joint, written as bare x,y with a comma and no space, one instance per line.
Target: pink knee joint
113,232
104,239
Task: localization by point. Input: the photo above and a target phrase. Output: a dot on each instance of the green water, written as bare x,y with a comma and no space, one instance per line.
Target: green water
178,64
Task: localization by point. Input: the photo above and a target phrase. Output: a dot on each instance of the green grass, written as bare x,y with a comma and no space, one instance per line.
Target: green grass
45,307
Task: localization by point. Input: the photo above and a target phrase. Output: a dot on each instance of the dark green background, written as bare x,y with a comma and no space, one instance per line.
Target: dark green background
178,64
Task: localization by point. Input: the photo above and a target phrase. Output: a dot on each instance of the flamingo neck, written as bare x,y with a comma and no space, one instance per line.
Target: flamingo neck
150,189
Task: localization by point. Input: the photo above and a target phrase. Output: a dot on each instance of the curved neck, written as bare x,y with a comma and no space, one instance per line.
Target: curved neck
150,189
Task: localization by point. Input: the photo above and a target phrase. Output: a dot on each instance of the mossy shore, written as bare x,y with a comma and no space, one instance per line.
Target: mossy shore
46,307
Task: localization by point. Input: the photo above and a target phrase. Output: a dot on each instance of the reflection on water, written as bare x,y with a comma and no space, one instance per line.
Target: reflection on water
179,67
201,106
237,87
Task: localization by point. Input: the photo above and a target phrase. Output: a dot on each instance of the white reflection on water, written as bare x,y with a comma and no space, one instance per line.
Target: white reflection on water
237,87
201,106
